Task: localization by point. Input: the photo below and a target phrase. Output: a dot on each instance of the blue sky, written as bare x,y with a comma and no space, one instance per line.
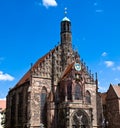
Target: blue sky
31,28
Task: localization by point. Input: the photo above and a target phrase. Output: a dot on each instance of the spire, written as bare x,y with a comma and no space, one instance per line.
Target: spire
65,23
66,39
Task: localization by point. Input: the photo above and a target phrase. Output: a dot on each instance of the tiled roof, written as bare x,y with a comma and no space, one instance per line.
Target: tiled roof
26,77
117,90
2,104
68,69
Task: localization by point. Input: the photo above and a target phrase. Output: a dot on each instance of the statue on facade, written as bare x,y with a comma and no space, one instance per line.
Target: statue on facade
79,119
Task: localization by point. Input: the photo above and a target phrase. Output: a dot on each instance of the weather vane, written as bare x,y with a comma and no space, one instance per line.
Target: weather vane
65,11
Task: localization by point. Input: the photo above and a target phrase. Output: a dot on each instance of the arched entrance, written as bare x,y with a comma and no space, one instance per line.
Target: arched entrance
80,119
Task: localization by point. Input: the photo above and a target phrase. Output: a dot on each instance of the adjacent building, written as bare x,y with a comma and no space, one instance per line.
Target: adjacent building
2,111
111,106
57,92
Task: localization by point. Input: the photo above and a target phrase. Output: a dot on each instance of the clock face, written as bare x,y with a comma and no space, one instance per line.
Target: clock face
77,66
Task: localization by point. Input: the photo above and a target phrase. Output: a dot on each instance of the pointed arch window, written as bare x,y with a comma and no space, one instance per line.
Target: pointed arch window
88,97
78,92
43,97
69,91
43,105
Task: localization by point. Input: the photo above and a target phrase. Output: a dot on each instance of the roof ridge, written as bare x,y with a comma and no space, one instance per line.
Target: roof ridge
116,87
27,74
67,70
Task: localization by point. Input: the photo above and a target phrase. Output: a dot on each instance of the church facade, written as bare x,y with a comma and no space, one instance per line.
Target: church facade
57,92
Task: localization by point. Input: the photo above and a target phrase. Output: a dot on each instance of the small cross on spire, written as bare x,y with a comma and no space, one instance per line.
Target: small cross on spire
65,11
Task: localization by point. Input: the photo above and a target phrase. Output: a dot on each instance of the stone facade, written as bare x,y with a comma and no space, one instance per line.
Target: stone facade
111,106
58,91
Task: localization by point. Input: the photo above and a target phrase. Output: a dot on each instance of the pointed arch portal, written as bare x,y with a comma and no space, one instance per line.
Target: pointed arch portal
80,119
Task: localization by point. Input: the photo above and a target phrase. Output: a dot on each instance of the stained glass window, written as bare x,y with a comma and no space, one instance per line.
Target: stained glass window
88,97
43,98
69,91
20,107
78,92
43,106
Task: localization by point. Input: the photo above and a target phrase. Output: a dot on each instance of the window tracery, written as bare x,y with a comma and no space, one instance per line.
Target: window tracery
78,92
88,97
43,104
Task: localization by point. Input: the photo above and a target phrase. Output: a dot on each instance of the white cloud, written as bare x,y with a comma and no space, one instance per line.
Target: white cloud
5,77
109,63
116,68
102,88
117,80
104,54
48,3
2,98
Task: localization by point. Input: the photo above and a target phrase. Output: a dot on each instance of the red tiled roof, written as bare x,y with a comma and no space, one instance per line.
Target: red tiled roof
27,75
117,90
2,104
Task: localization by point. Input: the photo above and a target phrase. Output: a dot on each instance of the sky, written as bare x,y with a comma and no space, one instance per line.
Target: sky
31,28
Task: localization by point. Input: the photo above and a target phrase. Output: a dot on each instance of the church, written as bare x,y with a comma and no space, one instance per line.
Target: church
58,91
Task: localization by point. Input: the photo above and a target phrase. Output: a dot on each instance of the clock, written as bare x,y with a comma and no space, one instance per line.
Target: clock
77,66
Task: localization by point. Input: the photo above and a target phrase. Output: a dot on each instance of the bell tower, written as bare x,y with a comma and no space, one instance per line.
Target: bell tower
66,40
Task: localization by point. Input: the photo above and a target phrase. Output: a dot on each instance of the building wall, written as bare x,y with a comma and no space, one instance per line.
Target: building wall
69,108
29,96
0,120
111,107
100,115
17,105
35,101
2,110
113,113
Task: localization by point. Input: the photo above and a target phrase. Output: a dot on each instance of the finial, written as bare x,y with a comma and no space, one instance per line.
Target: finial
96,75
65,11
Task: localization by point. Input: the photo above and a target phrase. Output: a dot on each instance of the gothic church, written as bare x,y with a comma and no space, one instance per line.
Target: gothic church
57,92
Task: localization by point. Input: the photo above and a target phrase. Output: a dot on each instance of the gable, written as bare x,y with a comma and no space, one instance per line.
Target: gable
34,69
81,75
117,90
67,71
111,94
